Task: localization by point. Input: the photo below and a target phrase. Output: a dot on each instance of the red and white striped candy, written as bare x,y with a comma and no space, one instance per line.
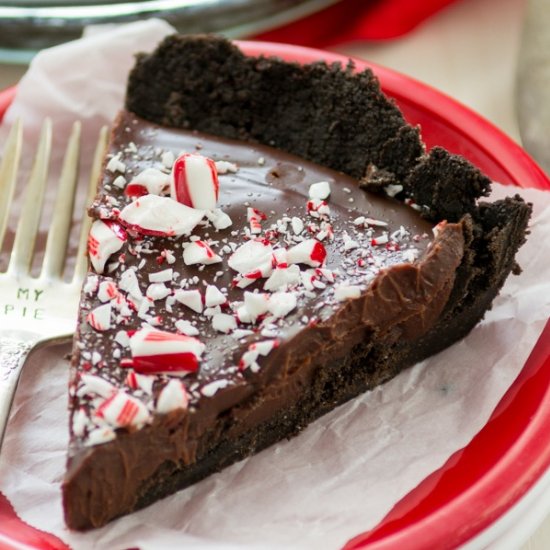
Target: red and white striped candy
150,181
121,410
160,217
255,304
254,218
309,252
249,358
195,181
251,256
317,208
199,252
107,291
158,351
100,317
140,382
173,396
106,237
283,277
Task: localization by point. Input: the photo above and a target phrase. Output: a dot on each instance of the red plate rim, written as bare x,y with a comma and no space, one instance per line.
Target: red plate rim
472,490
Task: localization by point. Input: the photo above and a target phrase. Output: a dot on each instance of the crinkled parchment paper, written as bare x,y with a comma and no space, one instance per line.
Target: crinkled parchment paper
344,472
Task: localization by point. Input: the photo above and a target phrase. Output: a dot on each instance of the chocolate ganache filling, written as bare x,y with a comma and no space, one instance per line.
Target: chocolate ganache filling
294,268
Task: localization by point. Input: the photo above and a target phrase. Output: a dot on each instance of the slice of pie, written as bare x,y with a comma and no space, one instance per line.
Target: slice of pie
269,241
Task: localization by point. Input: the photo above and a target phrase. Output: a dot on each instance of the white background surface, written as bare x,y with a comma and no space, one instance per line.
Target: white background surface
469,51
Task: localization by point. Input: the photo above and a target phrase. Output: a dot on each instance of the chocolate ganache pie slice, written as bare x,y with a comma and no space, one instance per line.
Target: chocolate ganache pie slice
269,241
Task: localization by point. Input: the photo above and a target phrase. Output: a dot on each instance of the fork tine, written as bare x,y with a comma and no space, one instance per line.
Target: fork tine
8,173
82,254
58,236
27,226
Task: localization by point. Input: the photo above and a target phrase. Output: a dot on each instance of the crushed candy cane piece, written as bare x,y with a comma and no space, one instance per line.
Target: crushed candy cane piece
281,303
157,291
100,317
220,220
250,357
149,181
173,396
160,216
121,410
185,327
319,190
105,238
255,304
213,296
158,351
251,256
347,292
223,322
163,276
107,291
224,166
309,252
195,181
190,298
283,277
92,384
199,252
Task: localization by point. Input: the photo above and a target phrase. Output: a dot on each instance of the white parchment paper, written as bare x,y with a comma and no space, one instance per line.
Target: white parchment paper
344,472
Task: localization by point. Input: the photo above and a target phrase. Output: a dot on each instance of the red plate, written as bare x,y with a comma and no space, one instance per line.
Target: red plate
473,489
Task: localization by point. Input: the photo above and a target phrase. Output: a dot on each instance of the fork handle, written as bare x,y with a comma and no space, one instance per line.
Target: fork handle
13,353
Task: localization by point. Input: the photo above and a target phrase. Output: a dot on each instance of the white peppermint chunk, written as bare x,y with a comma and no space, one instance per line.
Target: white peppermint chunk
107,291
105,239
92,384
100,317
211,389
115,164
256,304
214,296
223,322
163,276
282,303
121,410
185,327
347,292
250,256
167,158
224,166
173,396
282,278
160,216
157,291
220,220
297,225
153,180
199,252
129,283
190,298
319,190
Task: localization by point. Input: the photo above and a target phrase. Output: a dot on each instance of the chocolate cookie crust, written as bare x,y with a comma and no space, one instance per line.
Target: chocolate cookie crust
339,119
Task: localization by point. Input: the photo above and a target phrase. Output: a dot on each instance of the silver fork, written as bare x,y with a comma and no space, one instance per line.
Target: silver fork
35,310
